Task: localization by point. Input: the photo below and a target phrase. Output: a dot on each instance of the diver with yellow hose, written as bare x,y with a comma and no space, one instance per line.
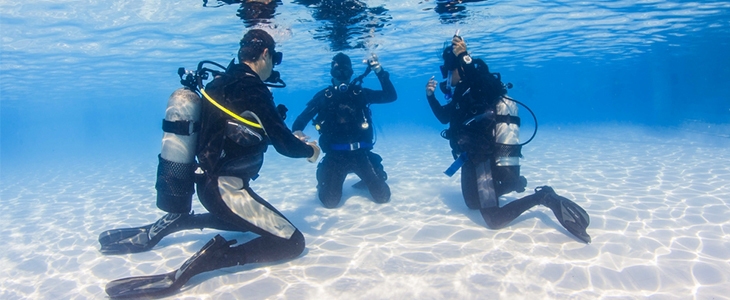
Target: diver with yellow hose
236,122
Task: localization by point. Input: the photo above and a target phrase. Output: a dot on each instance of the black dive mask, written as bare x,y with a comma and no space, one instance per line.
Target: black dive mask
276,57
341,67
341,73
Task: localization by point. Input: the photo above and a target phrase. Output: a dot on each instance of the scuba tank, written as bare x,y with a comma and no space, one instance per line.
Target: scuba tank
507,147
175,171
507,134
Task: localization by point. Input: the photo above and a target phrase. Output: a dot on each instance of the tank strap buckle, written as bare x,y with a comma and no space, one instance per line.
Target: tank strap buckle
182,127
351,146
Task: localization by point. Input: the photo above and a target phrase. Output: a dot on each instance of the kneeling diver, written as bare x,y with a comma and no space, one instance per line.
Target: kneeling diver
483,126
232,129
345,124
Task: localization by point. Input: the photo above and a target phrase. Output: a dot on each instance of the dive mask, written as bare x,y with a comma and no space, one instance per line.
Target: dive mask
340,72
276,57
341,67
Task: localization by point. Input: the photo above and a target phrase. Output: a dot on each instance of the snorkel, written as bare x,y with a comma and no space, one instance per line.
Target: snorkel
447,69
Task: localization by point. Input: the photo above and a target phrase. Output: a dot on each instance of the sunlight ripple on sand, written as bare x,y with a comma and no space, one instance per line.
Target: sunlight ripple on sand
658,207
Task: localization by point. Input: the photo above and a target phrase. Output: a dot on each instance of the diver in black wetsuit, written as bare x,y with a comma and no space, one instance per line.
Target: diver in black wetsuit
230,153
472,94
346,131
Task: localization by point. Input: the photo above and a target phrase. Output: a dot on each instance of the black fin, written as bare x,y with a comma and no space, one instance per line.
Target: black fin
139,239
208,258
125,240
143,286
573,217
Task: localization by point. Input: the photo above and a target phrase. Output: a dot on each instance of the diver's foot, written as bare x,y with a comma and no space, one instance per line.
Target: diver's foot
139,239
381,193
573,217
212,256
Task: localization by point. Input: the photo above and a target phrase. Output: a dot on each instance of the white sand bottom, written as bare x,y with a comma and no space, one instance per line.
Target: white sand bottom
660,220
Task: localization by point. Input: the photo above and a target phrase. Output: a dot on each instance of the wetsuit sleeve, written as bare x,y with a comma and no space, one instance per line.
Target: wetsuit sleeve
310,111
279,134
388,93
442,113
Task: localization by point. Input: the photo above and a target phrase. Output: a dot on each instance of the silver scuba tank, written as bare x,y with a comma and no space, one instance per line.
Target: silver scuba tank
507,133
175,171
507,148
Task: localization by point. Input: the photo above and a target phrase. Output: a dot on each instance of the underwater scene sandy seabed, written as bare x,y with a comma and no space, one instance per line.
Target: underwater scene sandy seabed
658,202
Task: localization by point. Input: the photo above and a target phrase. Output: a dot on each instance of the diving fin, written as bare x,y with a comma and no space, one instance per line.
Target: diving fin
212,256
573,217
139,239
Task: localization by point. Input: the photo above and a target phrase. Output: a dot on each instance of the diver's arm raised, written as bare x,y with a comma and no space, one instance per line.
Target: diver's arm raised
442,113
388,94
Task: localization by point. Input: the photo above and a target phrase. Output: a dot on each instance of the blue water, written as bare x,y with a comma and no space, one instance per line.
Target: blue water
82,78
632,100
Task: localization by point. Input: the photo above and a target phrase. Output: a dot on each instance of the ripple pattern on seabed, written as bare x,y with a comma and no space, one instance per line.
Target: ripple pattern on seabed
658,207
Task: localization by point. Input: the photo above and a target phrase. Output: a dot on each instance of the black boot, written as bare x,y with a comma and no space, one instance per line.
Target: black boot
573,217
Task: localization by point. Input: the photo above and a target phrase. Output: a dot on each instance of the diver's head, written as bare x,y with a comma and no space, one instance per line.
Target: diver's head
258,52
341,70
449,60
450,69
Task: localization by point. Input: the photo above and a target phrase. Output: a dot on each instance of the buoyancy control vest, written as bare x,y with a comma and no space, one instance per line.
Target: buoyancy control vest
344,118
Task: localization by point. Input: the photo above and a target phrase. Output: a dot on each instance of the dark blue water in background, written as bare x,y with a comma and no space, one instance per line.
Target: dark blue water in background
82,82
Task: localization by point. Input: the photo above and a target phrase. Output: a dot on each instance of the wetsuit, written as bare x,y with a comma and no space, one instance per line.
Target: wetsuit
346,136
470,132
471,120
231,154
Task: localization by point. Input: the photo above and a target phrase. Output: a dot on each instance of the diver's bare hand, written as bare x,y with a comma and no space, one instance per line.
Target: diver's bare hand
430,87
458,45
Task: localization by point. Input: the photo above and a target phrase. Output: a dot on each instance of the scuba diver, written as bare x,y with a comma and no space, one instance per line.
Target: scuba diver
482,133
341,114
232,128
